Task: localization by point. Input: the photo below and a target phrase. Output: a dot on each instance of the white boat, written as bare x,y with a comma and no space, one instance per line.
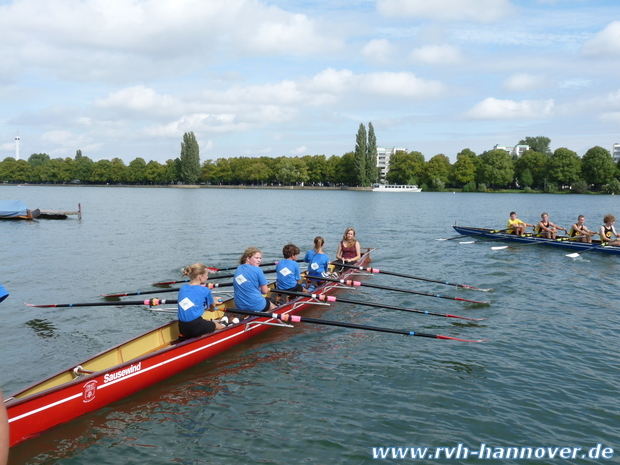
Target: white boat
395,188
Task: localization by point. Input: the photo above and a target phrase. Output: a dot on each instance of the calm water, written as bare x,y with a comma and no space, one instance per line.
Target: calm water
548,376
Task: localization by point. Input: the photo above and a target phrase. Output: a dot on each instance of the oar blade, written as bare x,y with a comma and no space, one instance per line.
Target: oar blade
439,336
464,317
499,247
573,255
468,242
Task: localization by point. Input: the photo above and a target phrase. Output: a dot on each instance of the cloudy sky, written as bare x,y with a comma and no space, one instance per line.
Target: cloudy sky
127,78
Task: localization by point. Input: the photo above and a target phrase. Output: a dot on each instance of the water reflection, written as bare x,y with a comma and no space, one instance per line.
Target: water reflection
42,328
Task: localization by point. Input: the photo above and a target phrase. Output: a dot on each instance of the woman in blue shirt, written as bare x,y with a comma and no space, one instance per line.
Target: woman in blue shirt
194,299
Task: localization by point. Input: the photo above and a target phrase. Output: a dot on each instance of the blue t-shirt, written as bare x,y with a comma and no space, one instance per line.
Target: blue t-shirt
318,263
192,301
246,283
288,274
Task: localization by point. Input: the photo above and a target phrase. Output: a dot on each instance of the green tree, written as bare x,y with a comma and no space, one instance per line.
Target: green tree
538,144
172,171
564,167
291,170
597,167
360,156
371,156
405,168
344,172
155,172
464,170
437,169
497,168
136,171
190,159
257,171
83,167
101,172
525,178
317,168
536,164
118,170
38,159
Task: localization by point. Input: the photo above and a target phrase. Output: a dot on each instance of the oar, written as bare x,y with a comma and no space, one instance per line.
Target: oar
562,239
391,273
224,276
575,255
475,234
299,319
157,291
150,302
262,264
330,298
349,282
497,238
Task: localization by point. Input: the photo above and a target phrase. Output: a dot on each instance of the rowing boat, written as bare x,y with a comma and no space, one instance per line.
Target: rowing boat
564,243
134,365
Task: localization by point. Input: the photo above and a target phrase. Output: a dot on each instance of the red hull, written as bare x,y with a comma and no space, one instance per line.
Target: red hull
34,414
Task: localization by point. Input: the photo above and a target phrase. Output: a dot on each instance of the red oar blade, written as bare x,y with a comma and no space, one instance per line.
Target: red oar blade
439,336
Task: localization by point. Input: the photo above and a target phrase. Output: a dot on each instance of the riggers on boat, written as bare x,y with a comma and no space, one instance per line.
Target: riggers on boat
563,242
133,366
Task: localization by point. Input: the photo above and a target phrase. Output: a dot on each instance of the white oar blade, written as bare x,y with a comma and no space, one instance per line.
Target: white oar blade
441,239
469,242
499,247
573,255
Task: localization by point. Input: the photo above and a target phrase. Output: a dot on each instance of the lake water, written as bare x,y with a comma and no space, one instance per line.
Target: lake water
547,377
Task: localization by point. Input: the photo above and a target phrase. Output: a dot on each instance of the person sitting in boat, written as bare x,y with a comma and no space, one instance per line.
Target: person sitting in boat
348,248
318,262
580,229
250,284
288,275
193,299
516,226
607,231
546,228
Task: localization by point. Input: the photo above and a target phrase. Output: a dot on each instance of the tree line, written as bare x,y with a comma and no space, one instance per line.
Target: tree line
538,169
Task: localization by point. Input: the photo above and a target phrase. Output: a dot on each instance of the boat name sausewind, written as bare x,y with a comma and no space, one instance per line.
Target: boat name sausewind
120,374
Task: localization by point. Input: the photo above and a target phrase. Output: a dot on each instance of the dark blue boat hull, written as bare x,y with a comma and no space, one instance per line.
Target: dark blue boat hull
479,233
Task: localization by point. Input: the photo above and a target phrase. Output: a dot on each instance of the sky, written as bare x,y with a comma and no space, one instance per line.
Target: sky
127,78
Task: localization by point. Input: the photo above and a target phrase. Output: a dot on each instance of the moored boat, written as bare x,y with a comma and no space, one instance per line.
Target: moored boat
16,210
395,188
132,366
564,243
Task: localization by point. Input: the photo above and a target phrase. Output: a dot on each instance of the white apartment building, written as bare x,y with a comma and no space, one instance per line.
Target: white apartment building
615,152
383,159
517,150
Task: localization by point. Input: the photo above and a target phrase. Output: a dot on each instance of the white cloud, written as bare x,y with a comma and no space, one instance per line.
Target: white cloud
523,82
377,51
140,99
403,84
494,109
610,117
479,11
605,44
286,33
300,150
437,54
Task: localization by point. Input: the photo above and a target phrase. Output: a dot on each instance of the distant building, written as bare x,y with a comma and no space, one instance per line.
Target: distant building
383,159
517,150
616,153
